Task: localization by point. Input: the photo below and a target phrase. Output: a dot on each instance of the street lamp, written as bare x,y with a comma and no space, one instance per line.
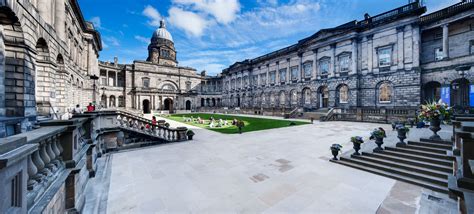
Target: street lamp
94,78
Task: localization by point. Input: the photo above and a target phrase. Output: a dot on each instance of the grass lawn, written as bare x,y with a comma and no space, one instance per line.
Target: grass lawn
251,123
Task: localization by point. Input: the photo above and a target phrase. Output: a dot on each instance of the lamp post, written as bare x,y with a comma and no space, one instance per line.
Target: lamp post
94,78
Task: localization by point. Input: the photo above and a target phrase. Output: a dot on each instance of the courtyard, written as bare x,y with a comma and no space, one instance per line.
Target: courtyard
285,170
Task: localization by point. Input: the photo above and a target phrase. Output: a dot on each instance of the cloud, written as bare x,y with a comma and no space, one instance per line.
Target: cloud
142,39
192,23
111,40
96,22
267,2
224,11
153,15
104,45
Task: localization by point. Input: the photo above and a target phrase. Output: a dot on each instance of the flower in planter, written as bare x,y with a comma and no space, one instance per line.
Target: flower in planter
435,110
378,133
357,139
190,132
401,127
336,147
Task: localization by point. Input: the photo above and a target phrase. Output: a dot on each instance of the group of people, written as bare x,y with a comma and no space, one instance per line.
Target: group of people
215,123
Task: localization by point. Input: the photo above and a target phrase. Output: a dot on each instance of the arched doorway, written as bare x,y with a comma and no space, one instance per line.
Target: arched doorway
431,92
146,106
460,93
168,104
213,102
188,105
202,102
323,93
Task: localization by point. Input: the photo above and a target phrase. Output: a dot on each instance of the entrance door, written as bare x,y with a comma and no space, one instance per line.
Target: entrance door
460,93
188,105
168,105
146,106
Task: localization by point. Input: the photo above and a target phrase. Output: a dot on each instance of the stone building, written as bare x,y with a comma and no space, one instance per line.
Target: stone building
47,53
393,60
158,83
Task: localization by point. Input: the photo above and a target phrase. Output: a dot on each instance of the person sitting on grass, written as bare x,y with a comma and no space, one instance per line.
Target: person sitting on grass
234,122
225,123
211,125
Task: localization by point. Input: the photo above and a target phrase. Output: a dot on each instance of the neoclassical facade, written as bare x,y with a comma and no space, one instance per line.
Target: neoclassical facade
158,83
393,60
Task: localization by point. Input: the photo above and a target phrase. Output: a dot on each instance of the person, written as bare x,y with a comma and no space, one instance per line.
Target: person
153,120
90,107
78,109
66,115
240,124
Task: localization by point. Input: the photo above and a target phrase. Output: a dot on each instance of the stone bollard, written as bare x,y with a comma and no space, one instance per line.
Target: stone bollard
181,133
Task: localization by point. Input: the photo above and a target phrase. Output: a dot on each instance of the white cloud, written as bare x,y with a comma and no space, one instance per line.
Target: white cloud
104,45
153,15
111,40
192,23
142,39
224,11
268,2
96,22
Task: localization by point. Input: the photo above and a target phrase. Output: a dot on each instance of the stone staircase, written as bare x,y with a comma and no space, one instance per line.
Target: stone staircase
425,163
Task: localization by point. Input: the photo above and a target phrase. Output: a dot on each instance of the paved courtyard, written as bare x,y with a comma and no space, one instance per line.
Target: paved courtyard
282,170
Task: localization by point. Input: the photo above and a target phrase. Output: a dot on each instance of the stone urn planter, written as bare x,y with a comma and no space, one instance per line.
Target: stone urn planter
378,135
435,126
190,134
335,149
402,134
356,141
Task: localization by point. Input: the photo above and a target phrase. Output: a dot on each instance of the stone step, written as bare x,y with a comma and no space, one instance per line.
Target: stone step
432,145
399,171
418,169
412,162
438,161
409,179
445,142
420,152
424,148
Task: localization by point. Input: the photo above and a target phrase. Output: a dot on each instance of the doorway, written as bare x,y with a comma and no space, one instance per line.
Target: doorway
146,106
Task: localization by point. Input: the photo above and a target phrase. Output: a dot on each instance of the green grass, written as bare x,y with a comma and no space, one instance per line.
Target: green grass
251,123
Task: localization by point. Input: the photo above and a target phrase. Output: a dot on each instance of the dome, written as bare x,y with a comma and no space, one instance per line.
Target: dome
162,33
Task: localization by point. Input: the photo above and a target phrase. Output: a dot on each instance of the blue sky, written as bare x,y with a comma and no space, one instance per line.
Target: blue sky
213,34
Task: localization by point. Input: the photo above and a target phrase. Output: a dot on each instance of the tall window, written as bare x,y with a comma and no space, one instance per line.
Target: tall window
438,54
146,82
343,94
272,77
344,63
308,68
283,75
324,67
255,80
188,86
246,81
385,56
385,93
239,82
294,73
263,79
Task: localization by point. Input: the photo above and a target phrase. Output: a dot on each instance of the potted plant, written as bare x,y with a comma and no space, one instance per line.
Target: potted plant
335,149
378,135
167,125
435,112
357,140
402,132
190,134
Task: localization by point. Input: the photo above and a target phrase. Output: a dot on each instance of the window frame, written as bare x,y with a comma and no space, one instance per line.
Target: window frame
379,54
380,93
294,68
145,79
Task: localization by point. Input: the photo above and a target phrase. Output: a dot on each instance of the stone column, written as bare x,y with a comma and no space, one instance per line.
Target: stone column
416,46
300,55
288,72
44,9
2,76
400,47
268,75
107,74
315,64
116,79
354,56
277,73
370,51
333,60
60,20
445,41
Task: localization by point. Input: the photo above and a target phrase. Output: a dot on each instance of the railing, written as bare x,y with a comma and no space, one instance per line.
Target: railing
392,13
453,9
144,126
378,115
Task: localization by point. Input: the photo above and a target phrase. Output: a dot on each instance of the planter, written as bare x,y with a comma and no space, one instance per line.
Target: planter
379,142
356,148
402,135
435,126
334,153
190,137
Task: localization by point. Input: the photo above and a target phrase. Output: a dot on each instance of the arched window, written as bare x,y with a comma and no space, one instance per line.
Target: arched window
282,98
294,97
307,96
385,93
343,94
168,87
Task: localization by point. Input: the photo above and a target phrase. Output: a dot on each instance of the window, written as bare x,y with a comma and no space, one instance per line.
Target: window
294,73
324,67
439,54
239,82
343,94
308,68
272,77
283,75
385,56
146,82
471,46
188,86
344,63
255,80
246,81
385,93
121,101
165,53
307,96
232,84
16,190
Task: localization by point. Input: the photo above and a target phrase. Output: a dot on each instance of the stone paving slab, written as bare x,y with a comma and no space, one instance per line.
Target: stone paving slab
276,170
